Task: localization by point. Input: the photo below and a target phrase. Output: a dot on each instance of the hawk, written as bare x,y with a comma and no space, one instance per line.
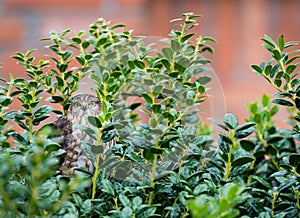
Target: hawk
72,136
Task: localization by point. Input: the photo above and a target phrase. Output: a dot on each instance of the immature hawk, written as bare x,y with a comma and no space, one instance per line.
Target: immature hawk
82,106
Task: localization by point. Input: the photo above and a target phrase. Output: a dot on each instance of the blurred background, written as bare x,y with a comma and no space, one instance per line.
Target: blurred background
237,25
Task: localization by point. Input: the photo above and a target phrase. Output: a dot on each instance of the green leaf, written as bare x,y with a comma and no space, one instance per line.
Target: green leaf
5,100
125,201
175,45
167,53
274,139
281,42
262,182
268,69
107,186
294,159
231,121
278,82
276,54
218,123
85,44
94,121
186,37
126,212
265,100
245,126
18,138
86,207
244,133
139,64
166,63
147,98
156,108
269,41
66,55
242,160
282,102
290,68
204,80
57,99
148,154
247,145
77,40
62,67
257,69
80,60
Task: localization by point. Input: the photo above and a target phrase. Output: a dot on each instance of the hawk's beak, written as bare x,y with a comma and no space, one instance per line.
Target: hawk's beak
84,106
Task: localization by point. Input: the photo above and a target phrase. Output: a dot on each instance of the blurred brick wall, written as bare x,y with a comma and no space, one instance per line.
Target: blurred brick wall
236,24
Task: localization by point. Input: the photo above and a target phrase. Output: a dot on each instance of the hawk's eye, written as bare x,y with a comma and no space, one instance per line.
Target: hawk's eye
76,105
92,104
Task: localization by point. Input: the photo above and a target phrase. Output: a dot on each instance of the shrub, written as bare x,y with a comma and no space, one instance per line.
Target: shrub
165,162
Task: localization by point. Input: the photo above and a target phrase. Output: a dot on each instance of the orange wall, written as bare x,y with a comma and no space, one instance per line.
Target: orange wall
236,24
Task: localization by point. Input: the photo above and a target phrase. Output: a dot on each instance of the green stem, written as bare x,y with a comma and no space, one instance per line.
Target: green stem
232,146
297,197
251,167
228,164
116,203
184,27
95,177
152,177
275,194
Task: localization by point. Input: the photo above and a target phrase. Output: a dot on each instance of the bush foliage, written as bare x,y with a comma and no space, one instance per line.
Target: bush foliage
165,162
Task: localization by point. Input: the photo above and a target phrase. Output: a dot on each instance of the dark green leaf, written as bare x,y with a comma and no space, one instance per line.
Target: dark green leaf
247,145
242,160
77,40
245,126
147,98
57,98
156,108
275,138
186,37
148,154
282,102
166,63
294,159
95,121
269,41
276,54
262,182
268,69
5,100
18,138
80,60
85,44
244,133
290,68
139,64
257,69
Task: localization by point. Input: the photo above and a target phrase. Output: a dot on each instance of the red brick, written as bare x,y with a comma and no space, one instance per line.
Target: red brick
51,3
12,29
60,23
132,2
63,22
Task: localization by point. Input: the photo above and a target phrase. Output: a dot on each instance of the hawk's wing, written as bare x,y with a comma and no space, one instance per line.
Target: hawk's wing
63,128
